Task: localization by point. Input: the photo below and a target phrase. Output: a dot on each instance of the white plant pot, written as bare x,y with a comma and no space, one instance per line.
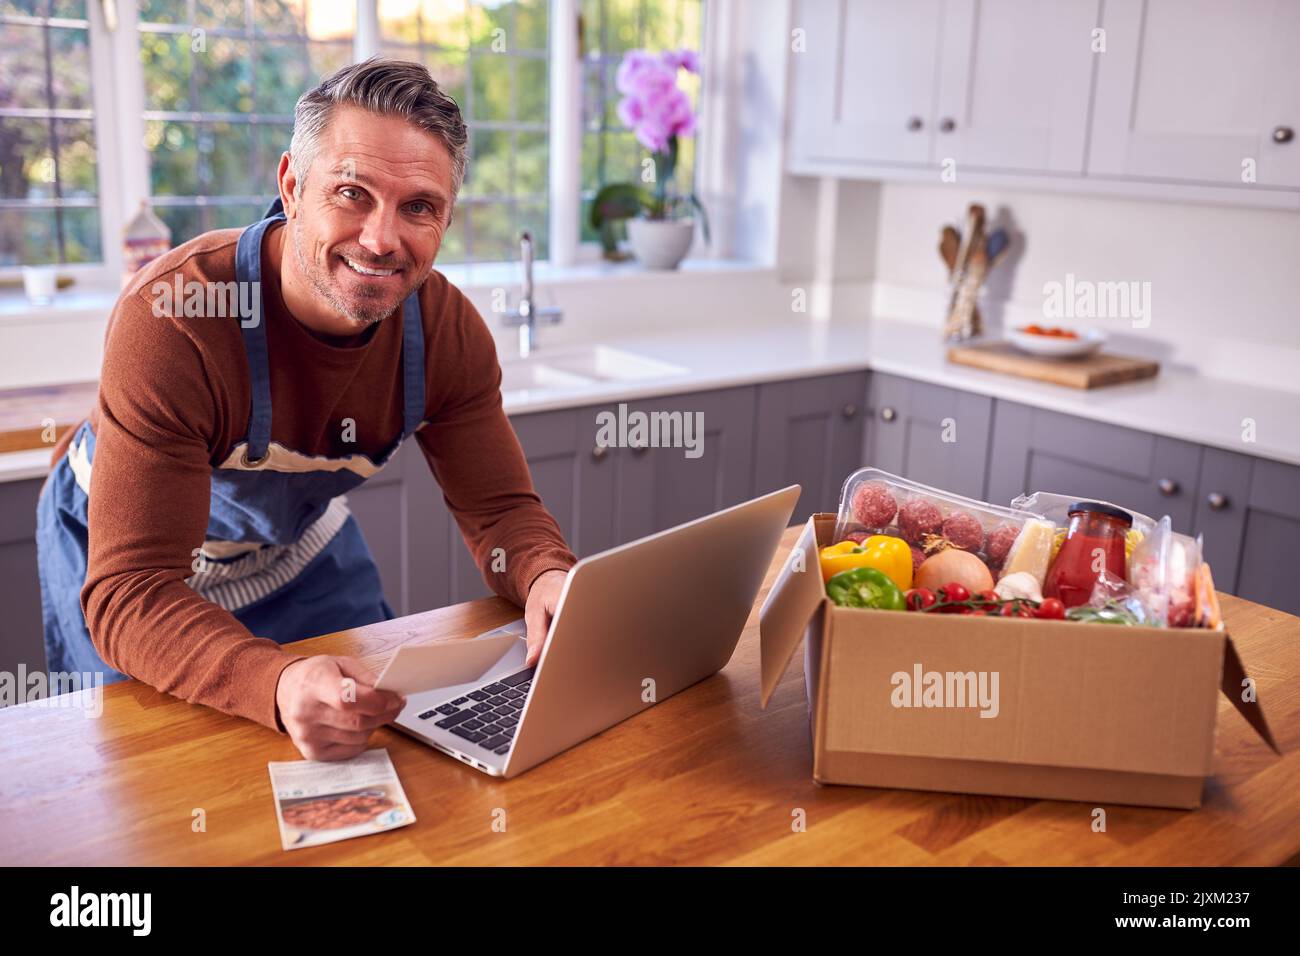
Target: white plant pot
660,243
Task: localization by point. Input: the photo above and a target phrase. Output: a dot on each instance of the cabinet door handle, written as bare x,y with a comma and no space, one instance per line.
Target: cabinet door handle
914,124
1168,487
599,452
849,411
947,124
888,414
1216,501
1283,134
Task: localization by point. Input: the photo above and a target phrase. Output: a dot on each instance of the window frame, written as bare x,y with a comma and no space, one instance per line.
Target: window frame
122,161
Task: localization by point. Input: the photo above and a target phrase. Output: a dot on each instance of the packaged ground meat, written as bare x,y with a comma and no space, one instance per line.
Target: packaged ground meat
928,519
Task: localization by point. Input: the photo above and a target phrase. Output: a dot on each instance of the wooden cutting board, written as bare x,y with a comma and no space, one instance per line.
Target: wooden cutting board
24,413
1093,371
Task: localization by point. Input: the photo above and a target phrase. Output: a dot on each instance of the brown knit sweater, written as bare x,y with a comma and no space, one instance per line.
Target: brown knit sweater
174,398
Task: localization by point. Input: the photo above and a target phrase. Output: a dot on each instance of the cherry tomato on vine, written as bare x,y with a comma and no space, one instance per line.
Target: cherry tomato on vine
987,596
918,599
1051,609
954,592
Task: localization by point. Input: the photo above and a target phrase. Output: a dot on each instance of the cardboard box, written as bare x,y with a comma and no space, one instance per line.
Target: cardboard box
1053,709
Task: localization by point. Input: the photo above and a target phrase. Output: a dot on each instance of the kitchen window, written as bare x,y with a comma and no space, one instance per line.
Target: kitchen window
610,152
200,95
493,58
49,190
221,78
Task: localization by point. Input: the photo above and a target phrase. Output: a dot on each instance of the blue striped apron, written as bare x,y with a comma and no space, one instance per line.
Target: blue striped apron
282,552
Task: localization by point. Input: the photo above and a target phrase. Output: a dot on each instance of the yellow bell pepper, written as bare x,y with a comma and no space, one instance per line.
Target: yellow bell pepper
886,554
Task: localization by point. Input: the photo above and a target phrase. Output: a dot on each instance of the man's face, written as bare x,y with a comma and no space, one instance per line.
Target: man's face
371,215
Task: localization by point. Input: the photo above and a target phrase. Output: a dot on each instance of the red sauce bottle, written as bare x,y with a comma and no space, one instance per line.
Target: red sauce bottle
1094,542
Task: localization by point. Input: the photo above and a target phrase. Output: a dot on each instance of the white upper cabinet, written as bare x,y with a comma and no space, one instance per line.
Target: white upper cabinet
1015,79
997,84
1179,99
1197,91
864,80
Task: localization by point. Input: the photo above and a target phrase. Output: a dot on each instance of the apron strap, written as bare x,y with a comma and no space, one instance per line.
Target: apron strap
412,365
248,268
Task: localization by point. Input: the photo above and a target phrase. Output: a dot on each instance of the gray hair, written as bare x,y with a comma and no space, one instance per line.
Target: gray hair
390,88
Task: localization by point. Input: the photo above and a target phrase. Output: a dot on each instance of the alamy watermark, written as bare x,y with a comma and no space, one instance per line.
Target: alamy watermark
1085,299
922,688
208,300
64,690
639,429
75,908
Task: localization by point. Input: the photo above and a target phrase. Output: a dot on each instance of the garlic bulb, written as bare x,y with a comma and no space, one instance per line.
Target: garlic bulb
1019,584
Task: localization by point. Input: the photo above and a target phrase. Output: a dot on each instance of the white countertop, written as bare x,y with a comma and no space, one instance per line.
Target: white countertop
1176,403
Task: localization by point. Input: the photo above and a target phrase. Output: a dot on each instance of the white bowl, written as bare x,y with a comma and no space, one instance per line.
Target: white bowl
1089,341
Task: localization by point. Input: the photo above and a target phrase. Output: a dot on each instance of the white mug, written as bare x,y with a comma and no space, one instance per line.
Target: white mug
40,283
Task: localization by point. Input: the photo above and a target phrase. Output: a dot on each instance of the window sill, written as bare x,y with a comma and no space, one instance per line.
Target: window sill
91,301
77,304
475,277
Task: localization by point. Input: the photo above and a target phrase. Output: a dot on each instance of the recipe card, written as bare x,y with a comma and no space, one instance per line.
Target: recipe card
325,801
415,668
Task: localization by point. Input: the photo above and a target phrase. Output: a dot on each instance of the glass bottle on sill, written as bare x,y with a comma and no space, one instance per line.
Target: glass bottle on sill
145,238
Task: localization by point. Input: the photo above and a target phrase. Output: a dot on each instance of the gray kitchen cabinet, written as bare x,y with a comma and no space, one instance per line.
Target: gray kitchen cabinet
1038,450
573,486
21,633
659,487
935,435
809,431
603,496
1248,509
405,524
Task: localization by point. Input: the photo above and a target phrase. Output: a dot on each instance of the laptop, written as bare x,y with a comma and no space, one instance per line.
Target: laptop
634,625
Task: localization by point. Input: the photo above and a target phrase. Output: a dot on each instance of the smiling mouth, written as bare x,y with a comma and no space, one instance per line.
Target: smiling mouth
369,271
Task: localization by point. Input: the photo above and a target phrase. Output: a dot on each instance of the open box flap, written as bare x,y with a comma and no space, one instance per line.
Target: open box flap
790,604
1234,677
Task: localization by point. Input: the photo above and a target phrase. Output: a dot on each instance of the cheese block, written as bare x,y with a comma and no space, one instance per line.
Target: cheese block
1032,550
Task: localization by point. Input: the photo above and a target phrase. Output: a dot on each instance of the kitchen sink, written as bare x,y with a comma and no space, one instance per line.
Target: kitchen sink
529,375
564,368
606,364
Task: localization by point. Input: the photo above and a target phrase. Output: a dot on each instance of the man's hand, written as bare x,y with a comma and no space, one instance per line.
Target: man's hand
329,706
543,597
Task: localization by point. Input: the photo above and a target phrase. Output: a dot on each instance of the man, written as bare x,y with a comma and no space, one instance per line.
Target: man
196,520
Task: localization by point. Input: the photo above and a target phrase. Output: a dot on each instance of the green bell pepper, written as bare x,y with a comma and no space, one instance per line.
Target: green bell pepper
865,587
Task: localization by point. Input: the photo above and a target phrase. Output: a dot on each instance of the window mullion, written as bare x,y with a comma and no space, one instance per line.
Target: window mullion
565,147
366,41
119,130
715,139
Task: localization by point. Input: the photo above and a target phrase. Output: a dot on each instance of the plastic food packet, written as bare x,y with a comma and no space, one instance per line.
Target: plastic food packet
1114,601
1208,613
929,520
1162,573
1056,509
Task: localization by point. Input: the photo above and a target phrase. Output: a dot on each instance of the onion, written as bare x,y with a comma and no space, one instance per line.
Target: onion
953,566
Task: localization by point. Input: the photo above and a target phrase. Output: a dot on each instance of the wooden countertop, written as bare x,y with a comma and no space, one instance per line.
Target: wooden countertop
23,412
706,777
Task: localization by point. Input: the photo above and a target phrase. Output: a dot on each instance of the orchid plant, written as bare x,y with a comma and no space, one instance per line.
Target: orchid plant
658,112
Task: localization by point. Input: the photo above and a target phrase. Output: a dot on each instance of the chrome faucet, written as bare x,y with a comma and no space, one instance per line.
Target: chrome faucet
528,314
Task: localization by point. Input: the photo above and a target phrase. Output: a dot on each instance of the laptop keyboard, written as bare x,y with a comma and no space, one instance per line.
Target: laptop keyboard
486,717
